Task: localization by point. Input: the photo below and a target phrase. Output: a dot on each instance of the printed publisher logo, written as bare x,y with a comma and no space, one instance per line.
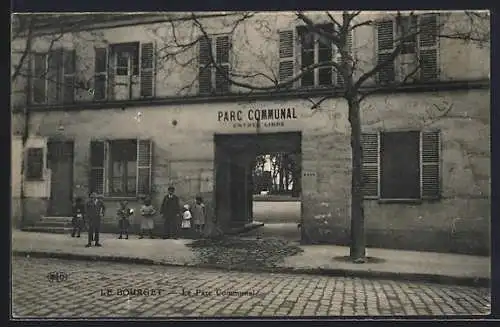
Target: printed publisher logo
57,276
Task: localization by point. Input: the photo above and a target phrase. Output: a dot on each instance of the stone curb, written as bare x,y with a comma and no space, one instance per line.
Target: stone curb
428,278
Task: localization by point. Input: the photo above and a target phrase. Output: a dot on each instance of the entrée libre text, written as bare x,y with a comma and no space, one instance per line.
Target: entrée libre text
257,114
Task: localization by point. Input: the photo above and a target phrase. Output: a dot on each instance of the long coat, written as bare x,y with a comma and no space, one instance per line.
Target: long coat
171,208
94,210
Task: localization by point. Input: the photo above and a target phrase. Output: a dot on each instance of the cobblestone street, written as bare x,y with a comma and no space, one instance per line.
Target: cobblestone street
99,289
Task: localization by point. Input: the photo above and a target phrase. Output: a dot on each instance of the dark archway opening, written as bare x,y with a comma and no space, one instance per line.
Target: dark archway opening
258,177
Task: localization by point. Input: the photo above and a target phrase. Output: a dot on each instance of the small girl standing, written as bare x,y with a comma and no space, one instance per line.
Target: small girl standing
186,220
123,215
147,224
199,216
78,218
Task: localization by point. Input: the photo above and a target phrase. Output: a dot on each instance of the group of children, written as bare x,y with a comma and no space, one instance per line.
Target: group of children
191,217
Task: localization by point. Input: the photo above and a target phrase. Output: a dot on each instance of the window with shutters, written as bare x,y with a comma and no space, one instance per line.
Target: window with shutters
316,49
311,49
34,164
121,168
124,71
401,165
213,78
418,59
54,77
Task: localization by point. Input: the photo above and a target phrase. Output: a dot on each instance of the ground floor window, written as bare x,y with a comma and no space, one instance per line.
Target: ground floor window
401,165
121,167
34,164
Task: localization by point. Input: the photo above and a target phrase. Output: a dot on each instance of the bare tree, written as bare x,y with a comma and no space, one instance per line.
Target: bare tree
474,28
190,31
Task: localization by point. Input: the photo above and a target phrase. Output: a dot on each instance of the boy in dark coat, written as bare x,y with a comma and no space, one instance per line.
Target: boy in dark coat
94,210
78,217
171,212
123,214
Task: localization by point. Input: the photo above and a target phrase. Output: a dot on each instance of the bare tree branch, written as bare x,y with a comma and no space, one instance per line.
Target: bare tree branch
313,27
333,20
27,47
277,85
391,86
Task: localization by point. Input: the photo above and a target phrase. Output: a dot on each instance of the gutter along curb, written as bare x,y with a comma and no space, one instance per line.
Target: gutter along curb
370,274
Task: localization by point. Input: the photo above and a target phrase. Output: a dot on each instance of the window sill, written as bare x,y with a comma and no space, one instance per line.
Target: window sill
400,201
317,87
117,198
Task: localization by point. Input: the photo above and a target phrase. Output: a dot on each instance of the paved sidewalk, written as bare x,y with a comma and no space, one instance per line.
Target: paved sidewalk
316,259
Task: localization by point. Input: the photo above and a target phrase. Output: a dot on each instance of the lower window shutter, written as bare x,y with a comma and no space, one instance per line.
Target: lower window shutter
371,164
430,167
98,167
144,162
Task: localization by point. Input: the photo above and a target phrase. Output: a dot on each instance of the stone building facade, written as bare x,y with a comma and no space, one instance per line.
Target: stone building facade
134,121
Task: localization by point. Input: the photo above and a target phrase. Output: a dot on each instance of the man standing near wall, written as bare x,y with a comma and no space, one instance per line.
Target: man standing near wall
170,210
94,210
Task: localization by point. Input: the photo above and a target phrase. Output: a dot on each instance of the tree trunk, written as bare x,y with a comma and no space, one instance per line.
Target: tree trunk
357,248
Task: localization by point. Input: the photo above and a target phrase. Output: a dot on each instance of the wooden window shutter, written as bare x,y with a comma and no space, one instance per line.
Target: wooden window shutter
430,164
147,69
101,74
222,48
69,68
205,74
371,164
385,46
54,75
98,153
286,55
340,78
144,163
40,67
428,47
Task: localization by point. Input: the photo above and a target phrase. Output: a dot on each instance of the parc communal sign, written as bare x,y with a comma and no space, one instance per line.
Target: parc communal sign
252,117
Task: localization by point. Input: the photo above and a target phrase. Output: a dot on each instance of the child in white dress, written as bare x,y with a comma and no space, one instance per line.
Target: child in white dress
147,224
186,221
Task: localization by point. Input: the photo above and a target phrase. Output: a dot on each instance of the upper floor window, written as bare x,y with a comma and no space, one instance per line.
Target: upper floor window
124,71
401,165
125,59
418,59
303,47
316,49
54,77
213,78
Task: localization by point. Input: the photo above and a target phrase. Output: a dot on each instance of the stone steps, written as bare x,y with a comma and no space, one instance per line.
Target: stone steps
53,230
56,225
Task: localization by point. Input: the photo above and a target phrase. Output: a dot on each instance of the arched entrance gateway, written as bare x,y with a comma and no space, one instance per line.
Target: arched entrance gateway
235,156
